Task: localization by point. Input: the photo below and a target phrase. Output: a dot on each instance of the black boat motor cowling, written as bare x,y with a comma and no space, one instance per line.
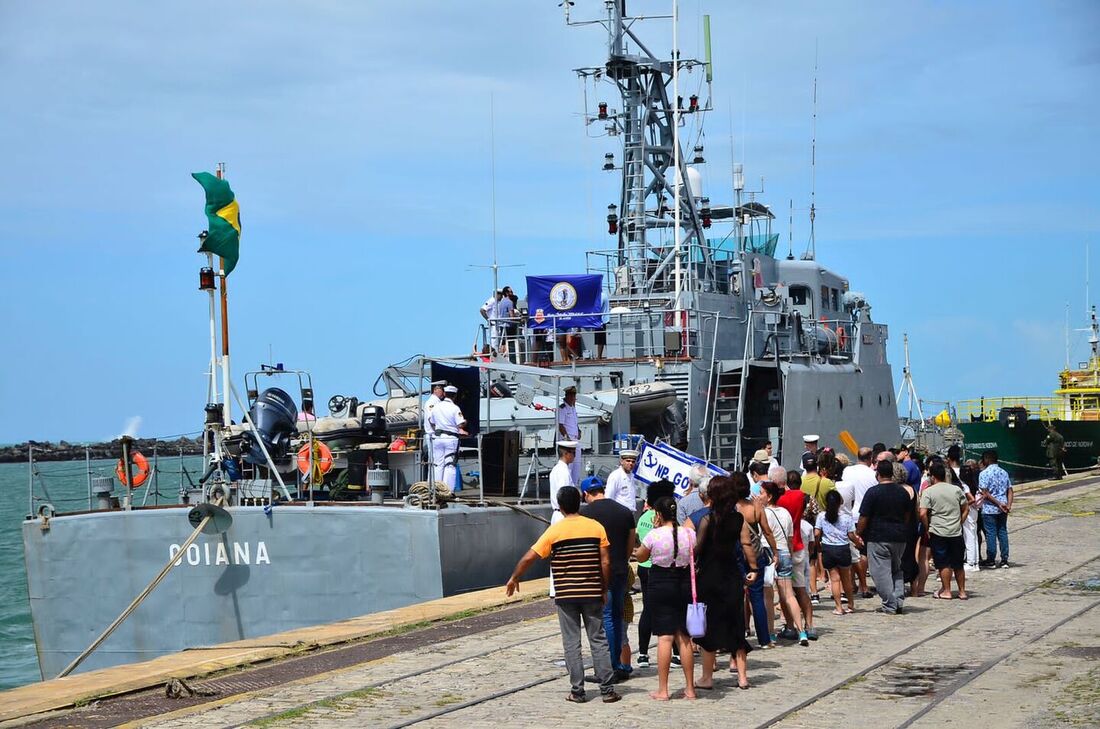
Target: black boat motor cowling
274,417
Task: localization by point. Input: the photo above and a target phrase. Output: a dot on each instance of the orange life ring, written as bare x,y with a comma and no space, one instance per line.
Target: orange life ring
142,464
841,337
324,458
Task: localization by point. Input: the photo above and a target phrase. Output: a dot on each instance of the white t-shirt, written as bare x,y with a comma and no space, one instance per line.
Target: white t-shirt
779,521
567,416
559,478
847,491
807,532
861,477
622,488
446,417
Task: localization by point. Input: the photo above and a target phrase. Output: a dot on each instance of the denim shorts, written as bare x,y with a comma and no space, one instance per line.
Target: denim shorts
785,569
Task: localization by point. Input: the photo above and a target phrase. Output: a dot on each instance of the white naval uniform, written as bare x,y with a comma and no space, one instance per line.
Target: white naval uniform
430,403
491,310
446,420
567,417
622,488
560,477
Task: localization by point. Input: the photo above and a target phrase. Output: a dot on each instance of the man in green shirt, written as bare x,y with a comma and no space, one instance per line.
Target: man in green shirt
943,510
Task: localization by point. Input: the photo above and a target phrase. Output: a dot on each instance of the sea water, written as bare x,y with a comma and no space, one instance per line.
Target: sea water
66,483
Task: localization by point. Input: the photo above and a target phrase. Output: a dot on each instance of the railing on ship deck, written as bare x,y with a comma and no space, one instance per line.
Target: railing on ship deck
629,335
988,409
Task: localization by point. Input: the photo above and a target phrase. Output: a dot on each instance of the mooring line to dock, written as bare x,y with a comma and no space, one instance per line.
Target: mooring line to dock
916,644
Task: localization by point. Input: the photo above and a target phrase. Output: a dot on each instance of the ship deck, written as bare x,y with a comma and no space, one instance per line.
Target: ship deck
390,669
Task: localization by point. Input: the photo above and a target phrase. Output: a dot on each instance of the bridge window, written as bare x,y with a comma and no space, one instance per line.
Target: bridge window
801,301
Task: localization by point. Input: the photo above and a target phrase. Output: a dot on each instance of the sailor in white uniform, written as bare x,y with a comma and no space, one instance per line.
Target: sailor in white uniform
560,477
562,474
448,424
621,486
434,399
490,312
810,441
568,429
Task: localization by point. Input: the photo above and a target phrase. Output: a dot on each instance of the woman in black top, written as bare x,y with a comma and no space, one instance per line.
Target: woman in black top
720,583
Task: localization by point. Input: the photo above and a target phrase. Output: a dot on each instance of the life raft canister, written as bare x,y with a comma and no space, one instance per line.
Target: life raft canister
323,458
141,463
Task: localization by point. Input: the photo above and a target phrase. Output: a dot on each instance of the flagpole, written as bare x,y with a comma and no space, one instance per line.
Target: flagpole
227,409
212,386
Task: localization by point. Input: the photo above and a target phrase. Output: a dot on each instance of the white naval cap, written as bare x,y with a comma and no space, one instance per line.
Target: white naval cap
450,390
811,438
628,454
572,444
439,383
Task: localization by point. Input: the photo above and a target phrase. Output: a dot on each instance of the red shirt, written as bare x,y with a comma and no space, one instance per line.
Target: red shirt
794,501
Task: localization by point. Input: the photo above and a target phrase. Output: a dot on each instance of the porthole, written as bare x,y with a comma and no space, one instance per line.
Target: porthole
840,399
880,400
819,403
861,402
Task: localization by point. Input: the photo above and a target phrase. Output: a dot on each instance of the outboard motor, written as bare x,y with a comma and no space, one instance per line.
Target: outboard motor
373,424
274,416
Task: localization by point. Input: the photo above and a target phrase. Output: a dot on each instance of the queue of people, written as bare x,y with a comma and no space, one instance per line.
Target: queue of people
749,544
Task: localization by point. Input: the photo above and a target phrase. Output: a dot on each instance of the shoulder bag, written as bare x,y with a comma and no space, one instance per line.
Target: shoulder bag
696,611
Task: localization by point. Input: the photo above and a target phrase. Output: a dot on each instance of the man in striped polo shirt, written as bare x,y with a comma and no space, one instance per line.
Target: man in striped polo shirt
581,561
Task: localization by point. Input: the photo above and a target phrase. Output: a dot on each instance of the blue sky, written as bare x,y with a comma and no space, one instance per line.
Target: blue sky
956,185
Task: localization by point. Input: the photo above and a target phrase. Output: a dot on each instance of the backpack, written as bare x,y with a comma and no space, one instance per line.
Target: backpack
812,507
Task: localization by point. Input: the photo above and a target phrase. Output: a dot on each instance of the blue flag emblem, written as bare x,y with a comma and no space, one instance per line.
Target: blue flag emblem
565,302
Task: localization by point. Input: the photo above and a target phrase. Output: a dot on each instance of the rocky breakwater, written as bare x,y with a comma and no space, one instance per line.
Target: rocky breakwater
65,451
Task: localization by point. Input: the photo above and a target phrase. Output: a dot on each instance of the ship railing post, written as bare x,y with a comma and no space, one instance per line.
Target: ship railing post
88,468
30,479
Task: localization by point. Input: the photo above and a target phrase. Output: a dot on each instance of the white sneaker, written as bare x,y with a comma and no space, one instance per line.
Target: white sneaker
971,568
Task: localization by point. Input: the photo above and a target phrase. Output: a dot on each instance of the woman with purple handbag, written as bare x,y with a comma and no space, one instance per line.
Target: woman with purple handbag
668,595
721,585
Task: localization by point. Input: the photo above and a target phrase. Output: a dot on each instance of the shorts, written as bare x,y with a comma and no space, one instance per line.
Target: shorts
800,576
835,556
854,552
948,552
783,568
600,337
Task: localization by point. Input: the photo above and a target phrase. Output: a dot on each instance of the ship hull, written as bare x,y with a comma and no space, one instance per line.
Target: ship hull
299,566
1020,449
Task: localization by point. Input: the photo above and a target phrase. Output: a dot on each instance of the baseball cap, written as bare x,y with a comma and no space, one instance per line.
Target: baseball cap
592,483
809,460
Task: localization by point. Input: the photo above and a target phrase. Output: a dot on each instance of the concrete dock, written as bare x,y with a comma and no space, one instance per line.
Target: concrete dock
1021,652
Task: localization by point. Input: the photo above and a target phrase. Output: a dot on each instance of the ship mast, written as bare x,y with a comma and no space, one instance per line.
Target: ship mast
653,165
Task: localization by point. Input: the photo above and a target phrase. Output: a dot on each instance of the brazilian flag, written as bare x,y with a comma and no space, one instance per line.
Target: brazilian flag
223,237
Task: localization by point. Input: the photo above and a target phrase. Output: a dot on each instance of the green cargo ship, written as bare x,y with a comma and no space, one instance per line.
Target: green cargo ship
1016,426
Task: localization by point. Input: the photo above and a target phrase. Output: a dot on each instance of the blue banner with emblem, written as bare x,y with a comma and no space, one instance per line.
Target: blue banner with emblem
565,302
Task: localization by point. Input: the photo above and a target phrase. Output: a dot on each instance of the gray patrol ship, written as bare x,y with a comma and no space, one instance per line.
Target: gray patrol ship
709,342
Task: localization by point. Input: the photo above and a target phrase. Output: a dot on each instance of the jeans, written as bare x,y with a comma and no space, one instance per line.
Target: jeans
756,598
996,530
884,566
571,616
613,620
